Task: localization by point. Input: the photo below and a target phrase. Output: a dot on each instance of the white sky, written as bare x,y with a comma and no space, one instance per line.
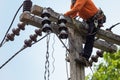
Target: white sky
29,64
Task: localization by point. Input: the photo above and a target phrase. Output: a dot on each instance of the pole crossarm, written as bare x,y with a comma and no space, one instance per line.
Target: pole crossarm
31,19
108,36
28,18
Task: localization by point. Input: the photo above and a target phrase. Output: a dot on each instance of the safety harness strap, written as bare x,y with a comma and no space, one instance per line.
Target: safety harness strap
73,2
99,18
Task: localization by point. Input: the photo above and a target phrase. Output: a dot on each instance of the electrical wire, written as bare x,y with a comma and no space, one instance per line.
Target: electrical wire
67,70
61,41
63,44
20,51
66,65
113,26
67,55
69,52
91,69
11,57
10,25
53,53
66,42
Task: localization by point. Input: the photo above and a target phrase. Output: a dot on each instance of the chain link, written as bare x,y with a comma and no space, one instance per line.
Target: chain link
47,72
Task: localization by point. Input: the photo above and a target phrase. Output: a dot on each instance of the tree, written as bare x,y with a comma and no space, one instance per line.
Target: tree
109,69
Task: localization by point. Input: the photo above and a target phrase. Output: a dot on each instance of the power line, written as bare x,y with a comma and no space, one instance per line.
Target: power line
10,25
113,26
20,51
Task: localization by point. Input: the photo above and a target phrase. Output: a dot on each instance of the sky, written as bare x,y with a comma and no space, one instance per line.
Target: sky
30,63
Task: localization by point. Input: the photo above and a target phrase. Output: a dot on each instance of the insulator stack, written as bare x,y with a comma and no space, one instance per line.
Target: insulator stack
33,37
63,31
95,58
46,22
27,4
15,31
10,37
21,26
28,43
100,53
38,32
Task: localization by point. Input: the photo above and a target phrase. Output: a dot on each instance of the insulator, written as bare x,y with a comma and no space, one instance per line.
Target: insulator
33,37
62,19
100,53
21,26
16,31
46,20
63,31
62,26
46,28
10,37
63,34
28,43
27,4
94,58
38,32
45,13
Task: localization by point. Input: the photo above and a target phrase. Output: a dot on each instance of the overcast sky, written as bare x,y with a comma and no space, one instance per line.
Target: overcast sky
29,64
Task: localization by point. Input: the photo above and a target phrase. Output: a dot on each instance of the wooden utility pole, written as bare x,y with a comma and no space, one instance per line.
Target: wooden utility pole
77,33
75,45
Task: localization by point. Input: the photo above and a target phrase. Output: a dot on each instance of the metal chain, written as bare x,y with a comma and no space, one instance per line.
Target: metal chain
47,72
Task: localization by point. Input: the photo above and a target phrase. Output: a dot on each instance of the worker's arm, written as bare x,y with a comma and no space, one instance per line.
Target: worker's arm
74,9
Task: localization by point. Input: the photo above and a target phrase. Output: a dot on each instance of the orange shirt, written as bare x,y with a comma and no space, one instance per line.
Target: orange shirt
83,8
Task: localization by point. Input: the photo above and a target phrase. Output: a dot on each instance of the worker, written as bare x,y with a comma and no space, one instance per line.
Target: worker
93,16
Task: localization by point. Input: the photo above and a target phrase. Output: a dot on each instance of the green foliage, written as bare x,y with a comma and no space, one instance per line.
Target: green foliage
109,69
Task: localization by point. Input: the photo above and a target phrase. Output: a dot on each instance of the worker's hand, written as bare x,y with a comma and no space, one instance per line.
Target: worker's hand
69,14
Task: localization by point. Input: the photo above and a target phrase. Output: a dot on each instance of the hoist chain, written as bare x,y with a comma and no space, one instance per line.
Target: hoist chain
47,72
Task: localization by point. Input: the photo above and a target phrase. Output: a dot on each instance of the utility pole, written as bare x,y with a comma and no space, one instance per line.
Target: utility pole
77,71
77,32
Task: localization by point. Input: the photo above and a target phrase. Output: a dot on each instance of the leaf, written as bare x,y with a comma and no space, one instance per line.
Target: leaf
109,69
